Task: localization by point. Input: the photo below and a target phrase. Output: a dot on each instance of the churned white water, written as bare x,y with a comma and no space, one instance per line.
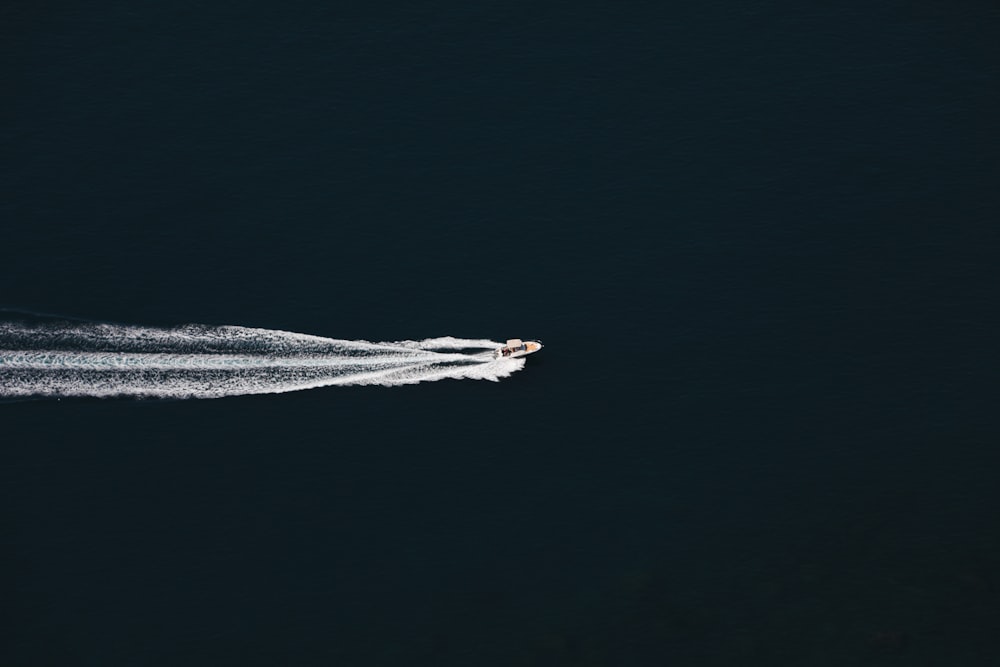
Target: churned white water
195,361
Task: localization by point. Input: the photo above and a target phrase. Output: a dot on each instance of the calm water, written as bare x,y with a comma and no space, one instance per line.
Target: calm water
758,243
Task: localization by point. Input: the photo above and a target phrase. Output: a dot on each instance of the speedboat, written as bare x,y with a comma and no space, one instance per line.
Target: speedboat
516,347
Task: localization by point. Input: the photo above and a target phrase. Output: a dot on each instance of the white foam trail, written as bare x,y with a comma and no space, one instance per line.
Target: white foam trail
194,361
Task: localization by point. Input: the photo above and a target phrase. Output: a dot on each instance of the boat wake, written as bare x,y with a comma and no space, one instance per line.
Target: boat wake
53,357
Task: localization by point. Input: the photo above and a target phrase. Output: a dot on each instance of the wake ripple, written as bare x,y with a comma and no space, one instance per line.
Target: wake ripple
68,358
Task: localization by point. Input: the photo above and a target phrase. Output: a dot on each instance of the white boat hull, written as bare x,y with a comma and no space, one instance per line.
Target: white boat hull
516,347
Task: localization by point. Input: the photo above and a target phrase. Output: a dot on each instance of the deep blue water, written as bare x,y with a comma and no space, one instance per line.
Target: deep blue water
759,243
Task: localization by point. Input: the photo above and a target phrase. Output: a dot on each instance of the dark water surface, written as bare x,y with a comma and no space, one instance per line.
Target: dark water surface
759,242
